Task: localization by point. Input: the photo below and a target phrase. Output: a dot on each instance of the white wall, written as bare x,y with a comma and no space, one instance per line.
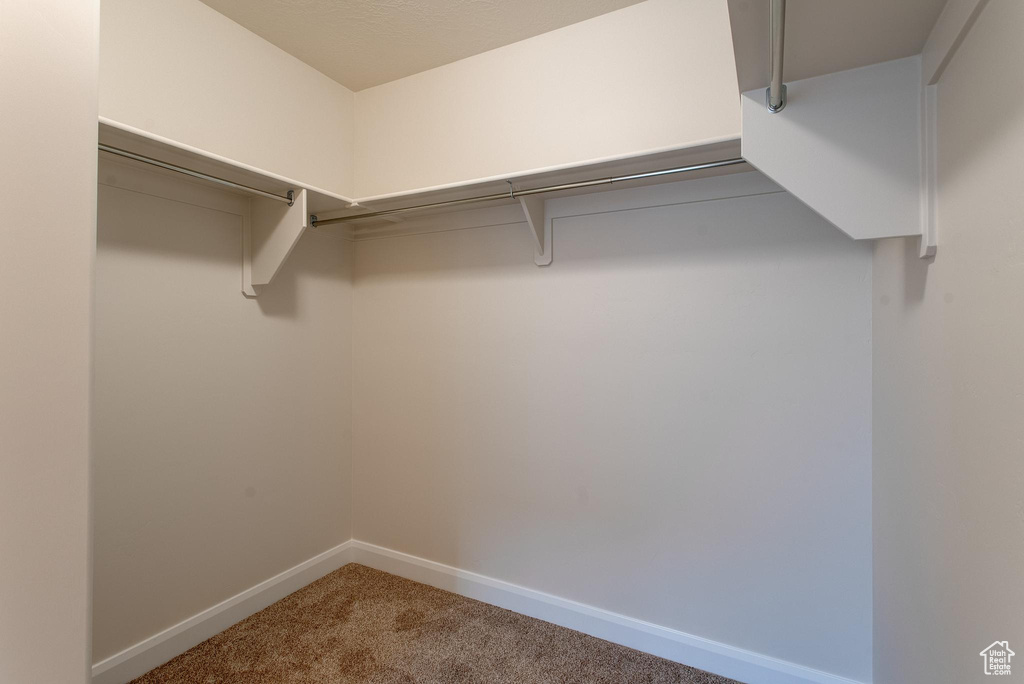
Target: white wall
617,85
48,81
672,422
181,70
222,424
654,75
949,385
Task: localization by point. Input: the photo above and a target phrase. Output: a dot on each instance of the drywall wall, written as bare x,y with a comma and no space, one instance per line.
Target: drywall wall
655,75
181,70
222,424
949,385
47,243
502,113
671,422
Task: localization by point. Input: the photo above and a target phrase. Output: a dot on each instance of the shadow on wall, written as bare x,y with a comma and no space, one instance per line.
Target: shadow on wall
915,271
976,141
315,256
689,233
208,240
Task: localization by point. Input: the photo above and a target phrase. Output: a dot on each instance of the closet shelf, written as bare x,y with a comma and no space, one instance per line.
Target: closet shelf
370,217
278,209
500,186
137,141
273,227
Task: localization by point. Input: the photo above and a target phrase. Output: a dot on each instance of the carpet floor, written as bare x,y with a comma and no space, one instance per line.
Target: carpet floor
362,625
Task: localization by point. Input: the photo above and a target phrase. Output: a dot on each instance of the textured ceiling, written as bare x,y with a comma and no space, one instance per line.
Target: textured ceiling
823,36
363,43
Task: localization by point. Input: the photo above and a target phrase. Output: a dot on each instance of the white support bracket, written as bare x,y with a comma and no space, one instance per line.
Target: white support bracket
540,228
269,236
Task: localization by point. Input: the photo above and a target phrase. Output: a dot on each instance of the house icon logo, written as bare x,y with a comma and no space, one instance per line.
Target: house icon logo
997,658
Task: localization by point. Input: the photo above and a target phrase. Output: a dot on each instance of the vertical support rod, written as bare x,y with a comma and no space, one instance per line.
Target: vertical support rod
777,90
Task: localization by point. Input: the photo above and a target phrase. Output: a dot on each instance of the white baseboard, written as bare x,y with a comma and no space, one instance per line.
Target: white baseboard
712,656
159,648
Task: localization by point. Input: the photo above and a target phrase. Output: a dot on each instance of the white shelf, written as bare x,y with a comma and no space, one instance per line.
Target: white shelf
273,229
326,204
645,161
148,144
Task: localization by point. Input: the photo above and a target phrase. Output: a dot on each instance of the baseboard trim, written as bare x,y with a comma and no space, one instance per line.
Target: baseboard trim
712,656
159,648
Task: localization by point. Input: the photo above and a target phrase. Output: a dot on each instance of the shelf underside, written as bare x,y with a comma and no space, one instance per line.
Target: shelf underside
326,204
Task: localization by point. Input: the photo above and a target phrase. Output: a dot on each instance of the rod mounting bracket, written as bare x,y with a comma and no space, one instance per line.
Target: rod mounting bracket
776,93
775,109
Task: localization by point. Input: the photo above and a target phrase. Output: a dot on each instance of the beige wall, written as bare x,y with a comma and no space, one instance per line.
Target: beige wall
617,85
671,422
222,424
48,61
949,385
654,75
181,70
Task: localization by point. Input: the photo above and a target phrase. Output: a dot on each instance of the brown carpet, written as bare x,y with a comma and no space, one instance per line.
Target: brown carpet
362,625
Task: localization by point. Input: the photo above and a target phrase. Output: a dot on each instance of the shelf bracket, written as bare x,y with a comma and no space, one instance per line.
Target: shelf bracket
269,236
540,228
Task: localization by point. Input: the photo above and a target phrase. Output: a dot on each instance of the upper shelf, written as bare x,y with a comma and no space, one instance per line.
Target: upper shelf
147,144
506,187
325,204
273,227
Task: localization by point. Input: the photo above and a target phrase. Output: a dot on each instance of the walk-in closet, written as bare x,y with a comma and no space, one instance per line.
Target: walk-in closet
510,341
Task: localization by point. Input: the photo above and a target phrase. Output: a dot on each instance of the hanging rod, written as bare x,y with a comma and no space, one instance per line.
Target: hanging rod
512,193
776,93
289,198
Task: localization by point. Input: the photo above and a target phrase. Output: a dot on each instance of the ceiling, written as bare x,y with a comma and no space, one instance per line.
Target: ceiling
823,36
363,43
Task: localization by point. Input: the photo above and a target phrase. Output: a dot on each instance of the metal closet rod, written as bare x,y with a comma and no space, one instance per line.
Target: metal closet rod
288,199
512,193
777,90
